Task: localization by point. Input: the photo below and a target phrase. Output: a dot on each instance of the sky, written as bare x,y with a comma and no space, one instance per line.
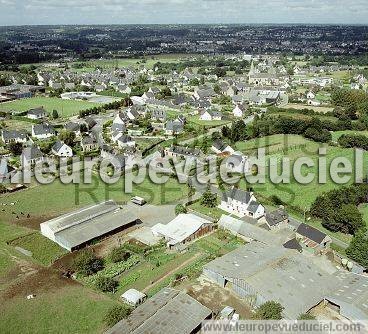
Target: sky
41,12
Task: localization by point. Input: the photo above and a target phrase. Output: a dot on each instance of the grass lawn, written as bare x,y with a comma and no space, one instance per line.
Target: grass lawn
148,62
364,210
322,110
300,195
337,134
195,120
14,124
8,253
45,201
144,143
43,250
65,108
215,213
272,144
70,309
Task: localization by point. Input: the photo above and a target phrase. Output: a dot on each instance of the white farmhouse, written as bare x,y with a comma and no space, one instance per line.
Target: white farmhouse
241,203
60,149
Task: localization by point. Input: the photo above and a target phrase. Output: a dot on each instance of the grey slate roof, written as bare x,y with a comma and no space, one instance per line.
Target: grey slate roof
276,217
37,111
71,126
90,122
253,206
311,233
88,140
169,311
31,153
238,195
14,134
57,146
293,244
185,150
219,144
174,126
40,129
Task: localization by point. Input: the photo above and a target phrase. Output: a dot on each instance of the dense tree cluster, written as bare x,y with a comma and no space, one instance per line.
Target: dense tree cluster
115,314
86,263
358,248
209,199
119,254
313,128
113,105
106,284
354,102
353,141
338,208
237,132
270,310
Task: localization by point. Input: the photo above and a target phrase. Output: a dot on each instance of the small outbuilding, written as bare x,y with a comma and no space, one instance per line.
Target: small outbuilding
133,297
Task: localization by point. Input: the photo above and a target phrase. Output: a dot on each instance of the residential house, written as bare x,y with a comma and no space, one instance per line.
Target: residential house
275,220
314,103
206,115
6,171
174,127
237,163
43,131
132,114
241,203
13,136
62,150
240,110
37,113
204,93
121,118
158,115
124,89
311,95
90,122
73,127
89,144
31,155
182,152
125,141
220,147
154,90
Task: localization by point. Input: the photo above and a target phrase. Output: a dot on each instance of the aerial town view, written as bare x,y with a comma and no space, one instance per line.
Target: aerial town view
183,166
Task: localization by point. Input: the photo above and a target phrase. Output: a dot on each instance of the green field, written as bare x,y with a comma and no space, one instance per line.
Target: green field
337,134
45,201
8,255
147,62
294,147
43,250
73,308
65,108
364,210
211,212
69,309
